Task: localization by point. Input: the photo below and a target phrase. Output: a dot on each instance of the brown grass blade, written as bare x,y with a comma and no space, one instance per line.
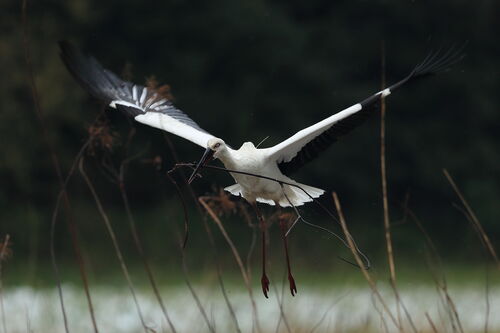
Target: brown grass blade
4,253
360,263
140,249
116,246
236,255
57,167
474,220
383,176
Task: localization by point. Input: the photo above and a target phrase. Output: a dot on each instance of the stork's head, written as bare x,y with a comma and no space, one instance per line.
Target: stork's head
215,147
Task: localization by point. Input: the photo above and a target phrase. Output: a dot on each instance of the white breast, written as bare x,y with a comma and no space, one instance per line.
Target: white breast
252,160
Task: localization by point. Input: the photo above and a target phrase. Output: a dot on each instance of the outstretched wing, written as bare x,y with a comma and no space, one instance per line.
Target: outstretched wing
306,144
144,104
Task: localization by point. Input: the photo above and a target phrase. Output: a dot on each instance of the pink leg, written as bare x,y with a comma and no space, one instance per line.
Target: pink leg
291,280
264,279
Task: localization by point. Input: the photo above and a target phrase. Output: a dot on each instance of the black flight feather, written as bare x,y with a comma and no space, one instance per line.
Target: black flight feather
434,63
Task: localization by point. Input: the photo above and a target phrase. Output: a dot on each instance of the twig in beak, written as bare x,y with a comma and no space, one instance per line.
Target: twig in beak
207,157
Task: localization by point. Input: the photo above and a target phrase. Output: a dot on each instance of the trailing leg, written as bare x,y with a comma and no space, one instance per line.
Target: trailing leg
264,279
291,280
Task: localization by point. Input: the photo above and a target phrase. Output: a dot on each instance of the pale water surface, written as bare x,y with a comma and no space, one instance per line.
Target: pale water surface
346,308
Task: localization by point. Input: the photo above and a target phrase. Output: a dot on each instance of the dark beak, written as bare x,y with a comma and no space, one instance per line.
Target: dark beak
207,157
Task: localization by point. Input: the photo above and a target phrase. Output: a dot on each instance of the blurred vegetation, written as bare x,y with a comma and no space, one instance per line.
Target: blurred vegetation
245,70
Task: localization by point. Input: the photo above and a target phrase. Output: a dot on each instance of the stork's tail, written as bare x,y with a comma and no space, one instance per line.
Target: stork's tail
297,195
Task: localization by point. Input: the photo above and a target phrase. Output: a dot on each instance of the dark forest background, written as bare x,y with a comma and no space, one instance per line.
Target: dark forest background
245,70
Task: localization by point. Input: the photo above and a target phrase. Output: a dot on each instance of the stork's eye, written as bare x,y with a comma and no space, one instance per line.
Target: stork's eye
217,145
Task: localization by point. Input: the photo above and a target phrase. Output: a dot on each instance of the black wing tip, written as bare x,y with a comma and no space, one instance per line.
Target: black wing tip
434,63
72,57
68,52
440,61
87,71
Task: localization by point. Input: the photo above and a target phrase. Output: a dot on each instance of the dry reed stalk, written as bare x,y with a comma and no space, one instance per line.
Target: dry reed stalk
192,291
207,228
355,253
219,275
140,249
323,317
53,260
481,233
280,300
383,321
183,244
473,219
57,167
4,254
441,283
385,202
431,323
116,246
118,177
252,226
236,255
175,156
230,307
383,174
487,315
300,217
55,214
455,318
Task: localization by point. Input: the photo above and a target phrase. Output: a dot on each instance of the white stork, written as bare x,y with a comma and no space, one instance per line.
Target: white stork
146,106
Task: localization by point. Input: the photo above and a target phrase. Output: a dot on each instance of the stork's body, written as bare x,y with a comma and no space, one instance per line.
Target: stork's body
251,160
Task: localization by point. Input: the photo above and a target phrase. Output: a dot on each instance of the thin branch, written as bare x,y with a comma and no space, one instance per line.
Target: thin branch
262,141
114,240
193,292
207,229
385,203
431,323
383,176
301,218
441,284
57,167
365,258
323,317
183,259
140,249
3,255
473,218
219,276
236,254
383,322
367,276
281,307
487,300
184,208
118,177
55,214
55,267
251,248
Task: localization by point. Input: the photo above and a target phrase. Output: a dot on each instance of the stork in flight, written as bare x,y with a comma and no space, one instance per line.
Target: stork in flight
147,106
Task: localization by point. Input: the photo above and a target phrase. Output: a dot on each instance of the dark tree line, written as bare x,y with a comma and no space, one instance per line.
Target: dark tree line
245,70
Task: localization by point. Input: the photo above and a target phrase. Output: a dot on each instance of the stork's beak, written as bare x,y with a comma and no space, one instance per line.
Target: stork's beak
207,157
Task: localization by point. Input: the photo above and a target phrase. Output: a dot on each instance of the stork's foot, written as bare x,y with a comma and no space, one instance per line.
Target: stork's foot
293,286
264,281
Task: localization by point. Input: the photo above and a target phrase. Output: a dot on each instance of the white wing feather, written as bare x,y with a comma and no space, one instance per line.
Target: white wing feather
171,125
288,149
